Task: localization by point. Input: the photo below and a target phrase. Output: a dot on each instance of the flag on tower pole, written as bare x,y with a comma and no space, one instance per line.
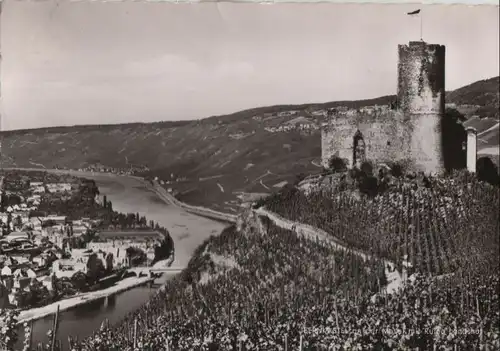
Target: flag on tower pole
414,14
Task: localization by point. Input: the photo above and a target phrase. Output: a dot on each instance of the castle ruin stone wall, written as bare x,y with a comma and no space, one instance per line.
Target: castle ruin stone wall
385,133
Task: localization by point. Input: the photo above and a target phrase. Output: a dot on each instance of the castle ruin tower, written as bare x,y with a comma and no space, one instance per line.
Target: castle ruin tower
421,98
471,149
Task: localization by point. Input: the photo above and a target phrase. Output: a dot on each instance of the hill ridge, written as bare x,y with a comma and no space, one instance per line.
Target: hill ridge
218,157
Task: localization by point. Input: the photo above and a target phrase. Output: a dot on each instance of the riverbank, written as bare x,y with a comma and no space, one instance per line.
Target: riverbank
71,302
134,194
196,210
160,191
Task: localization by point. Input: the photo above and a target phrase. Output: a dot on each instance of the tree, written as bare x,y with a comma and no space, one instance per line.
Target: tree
18,222
12,199
337,164
397,170
135,255
487,171
9,221
452,137
95,268
368,185
48,223
79,281
367,168
39,294
109,263
164,249
300,177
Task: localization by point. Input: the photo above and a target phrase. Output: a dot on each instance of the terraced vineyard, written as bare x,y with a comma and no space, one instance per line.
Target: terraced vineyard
437,228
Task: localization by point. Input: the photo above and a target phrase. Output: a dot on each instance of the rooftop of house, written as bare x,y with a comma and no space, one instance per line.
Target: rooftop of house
15,235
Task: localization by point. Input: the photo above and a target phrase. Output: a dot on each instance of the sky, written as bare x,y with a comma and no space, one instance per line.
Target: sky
112,62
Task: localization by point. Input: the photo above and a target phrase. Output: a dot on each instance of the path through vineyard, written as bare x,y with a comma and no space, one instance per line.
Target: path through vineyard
394,278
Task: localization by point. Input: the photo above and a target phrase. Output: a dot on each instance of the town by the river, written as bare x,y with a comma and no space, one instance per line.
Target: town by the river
129,194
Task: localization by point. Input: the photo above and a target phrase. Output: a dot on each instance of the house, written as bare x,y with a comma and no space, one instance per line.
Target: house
22,259
60,220
58,187
20,284
40,260
8,282
34,200
9,262
70,270
23,214
39,190
79,229
6,271
57,239
24,272
38,238
55,252
16,236
319,113
4,217
48,281
73,265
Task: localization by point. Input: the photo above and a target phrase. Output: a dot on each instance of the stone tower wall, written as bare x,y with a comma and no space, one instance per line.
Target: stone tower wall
421,98
385,133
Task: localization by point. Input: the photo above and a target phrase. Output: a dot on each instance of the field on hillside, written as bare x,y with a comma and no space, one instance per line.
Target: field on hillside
484,94
244,155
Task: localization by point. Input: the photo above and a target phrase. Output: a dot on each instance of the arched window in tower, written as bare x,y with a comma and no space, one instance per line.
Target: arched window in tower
359,149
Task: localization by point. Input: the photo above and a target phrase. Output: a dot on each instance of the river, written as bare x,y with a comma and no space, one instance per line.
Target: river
130,194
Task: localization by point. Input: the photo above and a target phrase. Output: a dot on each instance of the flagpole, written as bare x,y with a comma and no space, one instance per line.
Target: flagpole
421,36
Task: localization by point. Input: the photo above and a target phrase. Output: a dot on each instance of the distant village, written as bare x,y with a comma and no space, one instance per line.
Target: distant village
61,237
98,167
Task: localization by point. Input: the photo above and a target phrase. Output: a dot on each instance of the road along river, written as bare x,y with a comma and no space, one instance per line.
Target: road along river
130,194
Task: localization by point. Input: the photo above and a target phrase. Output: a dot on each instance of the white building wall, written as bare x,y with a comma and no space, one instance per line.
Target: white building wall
471,149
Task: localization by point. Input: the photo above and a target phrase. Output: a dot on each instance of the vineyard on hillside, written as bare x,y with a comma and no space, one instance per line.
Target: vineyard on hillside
261,287
439,226
247,291
243,290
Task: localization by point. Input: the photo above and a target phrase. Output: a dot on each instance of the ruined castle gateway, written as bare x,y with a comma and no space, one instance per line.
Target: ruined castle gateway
409,131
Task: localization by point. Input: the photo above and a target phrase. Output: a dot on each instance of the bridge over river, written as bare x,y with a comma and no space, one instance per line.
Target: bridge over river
129,194
147,270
